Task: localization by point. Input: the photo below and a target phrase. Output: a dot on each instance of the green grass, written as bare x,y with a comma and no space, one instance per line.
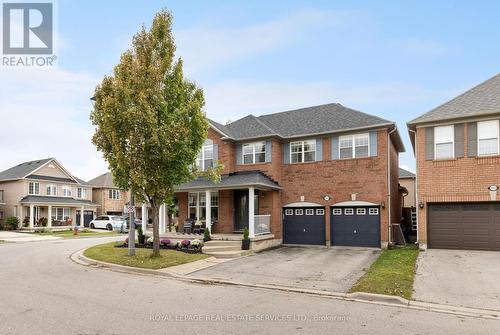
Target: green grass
81,233
109,253
392,273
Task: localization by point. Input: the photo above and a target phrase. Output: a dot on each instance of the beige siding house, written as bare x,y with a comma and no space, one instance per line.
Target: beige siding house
42,193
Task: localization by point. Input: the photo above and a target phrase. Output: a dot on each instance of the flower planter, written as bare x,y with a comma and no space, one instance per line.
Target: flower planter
245,244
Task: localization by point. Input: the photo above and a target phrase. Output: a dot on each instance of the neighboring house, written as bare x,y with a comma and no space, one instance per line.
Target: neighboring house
112,200
458,170
407,180
2,203
44,190
323,175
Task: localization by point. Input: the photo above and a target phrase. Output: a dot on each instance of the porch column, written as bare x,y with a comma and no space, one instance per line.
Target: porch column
49,216
81,216
208,207
144,217
32,216
162,218
251,212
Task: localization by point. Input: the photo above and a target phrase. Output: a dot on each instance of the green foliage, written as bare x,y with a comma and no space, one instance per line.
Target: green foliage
42,222
26,221
246,233
12,221
139,231
206,235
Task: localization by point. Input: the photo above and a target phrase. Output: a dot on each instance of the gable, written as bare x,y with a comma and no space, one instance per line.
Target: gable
52,169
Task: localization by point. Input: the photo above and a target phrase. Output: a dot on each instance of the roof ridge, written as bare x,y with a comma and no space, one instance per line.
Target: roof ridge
298,109
266,126
455,98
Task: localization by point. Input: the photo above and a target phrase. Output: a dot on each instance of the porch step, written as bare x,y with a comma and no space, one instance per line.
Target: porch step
213,243
212,248
228,254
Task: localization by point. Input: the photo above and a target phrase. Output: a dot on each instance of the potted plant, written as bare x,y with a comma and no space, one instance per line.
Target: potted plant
42,222
140,235
245,242
206,235
26,221
12,221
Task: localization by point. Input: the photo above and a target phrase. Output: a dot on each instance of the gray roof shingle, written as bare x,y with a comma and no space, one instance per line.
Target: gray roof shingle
483,99
307,121
237,179
405,174
55,200
21,170
105,181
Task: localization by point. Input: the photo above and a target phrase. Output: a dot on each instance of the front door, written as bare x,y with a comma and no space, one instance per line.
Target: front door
241,208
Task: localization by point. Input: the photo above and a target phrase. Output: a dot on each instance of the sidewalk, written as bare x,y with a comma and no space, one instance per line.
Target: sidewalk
15,237
181,272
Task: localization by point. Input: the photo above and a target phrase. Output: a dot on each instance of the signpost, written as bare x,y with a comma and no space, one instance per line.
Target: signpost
131,229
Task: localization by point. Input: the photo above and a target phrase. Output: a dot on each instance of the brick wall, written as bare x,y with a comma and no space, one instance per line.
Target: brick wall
455,180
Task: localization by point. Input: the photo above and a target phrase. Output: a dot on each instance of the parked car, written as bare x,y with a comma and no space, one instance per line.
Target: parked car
124,229
109,222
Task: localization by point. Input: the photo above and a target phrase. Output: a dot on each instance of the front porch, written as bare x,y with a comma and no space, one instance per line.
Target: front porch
246,200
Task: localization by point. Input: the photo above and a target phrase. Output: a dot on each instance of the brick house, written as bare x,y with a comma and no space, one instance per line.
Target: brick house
458,170
109,197
323,175
43,193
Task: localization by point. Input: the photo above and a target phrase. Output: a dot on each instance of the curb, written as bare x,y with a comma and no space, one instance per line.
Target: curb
363,297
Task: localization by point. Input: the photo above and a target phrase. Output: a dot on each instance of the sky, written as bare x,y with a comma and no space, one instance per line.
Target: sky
393,59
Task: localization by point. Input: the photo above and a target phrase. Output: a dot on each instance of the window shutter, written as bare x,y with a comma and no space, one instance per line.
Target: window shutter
373,143
216,152
238,154
459,140
319,149
335,147
269,152
472,139
429,143
286,153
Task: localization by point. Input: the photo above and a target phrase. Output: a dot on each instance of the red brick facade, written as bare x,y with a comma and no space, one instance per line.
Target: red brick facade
367,177
455,180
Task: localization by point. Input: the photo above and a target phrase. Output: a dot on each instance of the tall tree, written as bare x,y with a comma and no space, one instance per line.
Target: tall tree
149,119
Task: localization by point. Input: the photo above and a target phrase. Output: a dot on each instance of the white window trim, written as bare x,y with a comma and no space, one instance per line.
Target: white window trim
64,191
288,211
253,144
452,142
198,206
83,193
337,211
320,211
353,145
303,152
202,160
309,211
52,187
373,211
498,139
115,194
34,188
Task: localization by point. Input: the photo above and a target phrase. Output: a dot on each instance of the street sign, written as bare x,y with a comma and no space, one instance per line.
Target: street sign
129,209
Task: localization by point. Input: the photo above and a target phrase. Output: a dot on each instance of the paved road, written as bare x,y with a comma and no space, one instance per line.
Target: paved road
43,292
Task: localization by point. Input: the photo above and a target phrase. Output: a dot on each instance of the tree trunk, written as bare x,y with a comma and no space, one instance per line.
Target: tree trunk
156,229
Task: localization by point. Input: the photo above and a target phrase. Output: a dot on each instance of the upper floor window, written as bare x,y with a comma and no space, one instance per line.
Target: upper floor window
114,194
205,159
254,153
34,188
66,191
81,193
51,189
444,142
487,138
1,195
303,151
354,146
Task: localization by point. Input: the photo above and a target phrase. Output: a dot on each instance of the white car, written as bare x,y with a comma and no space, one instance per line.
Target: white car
109,222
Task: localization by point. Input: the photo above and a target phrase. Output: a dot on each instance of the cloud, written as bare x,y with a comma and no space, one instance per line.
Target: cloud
45,113
205,48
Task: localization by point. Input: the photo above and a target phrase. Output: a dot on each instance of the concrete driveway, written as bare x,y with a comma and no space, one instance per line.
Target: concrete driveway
459,277
335,269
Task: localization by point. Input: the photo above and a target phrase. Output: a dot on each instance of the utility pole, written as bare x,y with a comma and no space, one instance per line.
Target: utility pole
131,229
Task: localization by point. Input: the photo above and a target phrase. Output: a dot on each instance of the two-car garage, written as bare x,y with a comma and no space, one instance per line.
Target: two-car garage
470,226
353,223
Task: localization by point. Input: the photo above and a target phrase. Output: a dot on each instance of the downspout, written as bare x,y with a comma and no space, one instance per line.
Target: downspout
416,185
389,207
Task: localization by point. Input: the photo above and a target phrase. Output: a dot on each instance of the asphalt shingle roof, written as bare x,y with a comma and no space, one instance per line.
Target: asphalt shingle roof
23,169
301,122
405,174
105,180
247,178
483,99
55,200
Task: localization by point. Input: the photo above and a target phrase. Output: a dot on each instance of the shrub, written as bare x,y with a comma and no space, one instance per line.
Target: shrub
165,243
43,231
185,243
177,244
196,243
206,235
139,231
125,243
86,230
42,222
12,221
246,233
26,221
150,240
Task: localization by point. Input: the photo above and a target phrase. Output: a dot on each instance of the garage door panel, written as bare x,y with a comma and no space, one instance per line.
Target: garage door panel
464,226
357,228
299,228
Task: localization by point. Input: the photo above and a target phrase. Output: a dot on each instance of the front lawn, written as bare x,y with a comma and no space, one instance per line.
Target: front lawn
109,253
392,273
67,233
